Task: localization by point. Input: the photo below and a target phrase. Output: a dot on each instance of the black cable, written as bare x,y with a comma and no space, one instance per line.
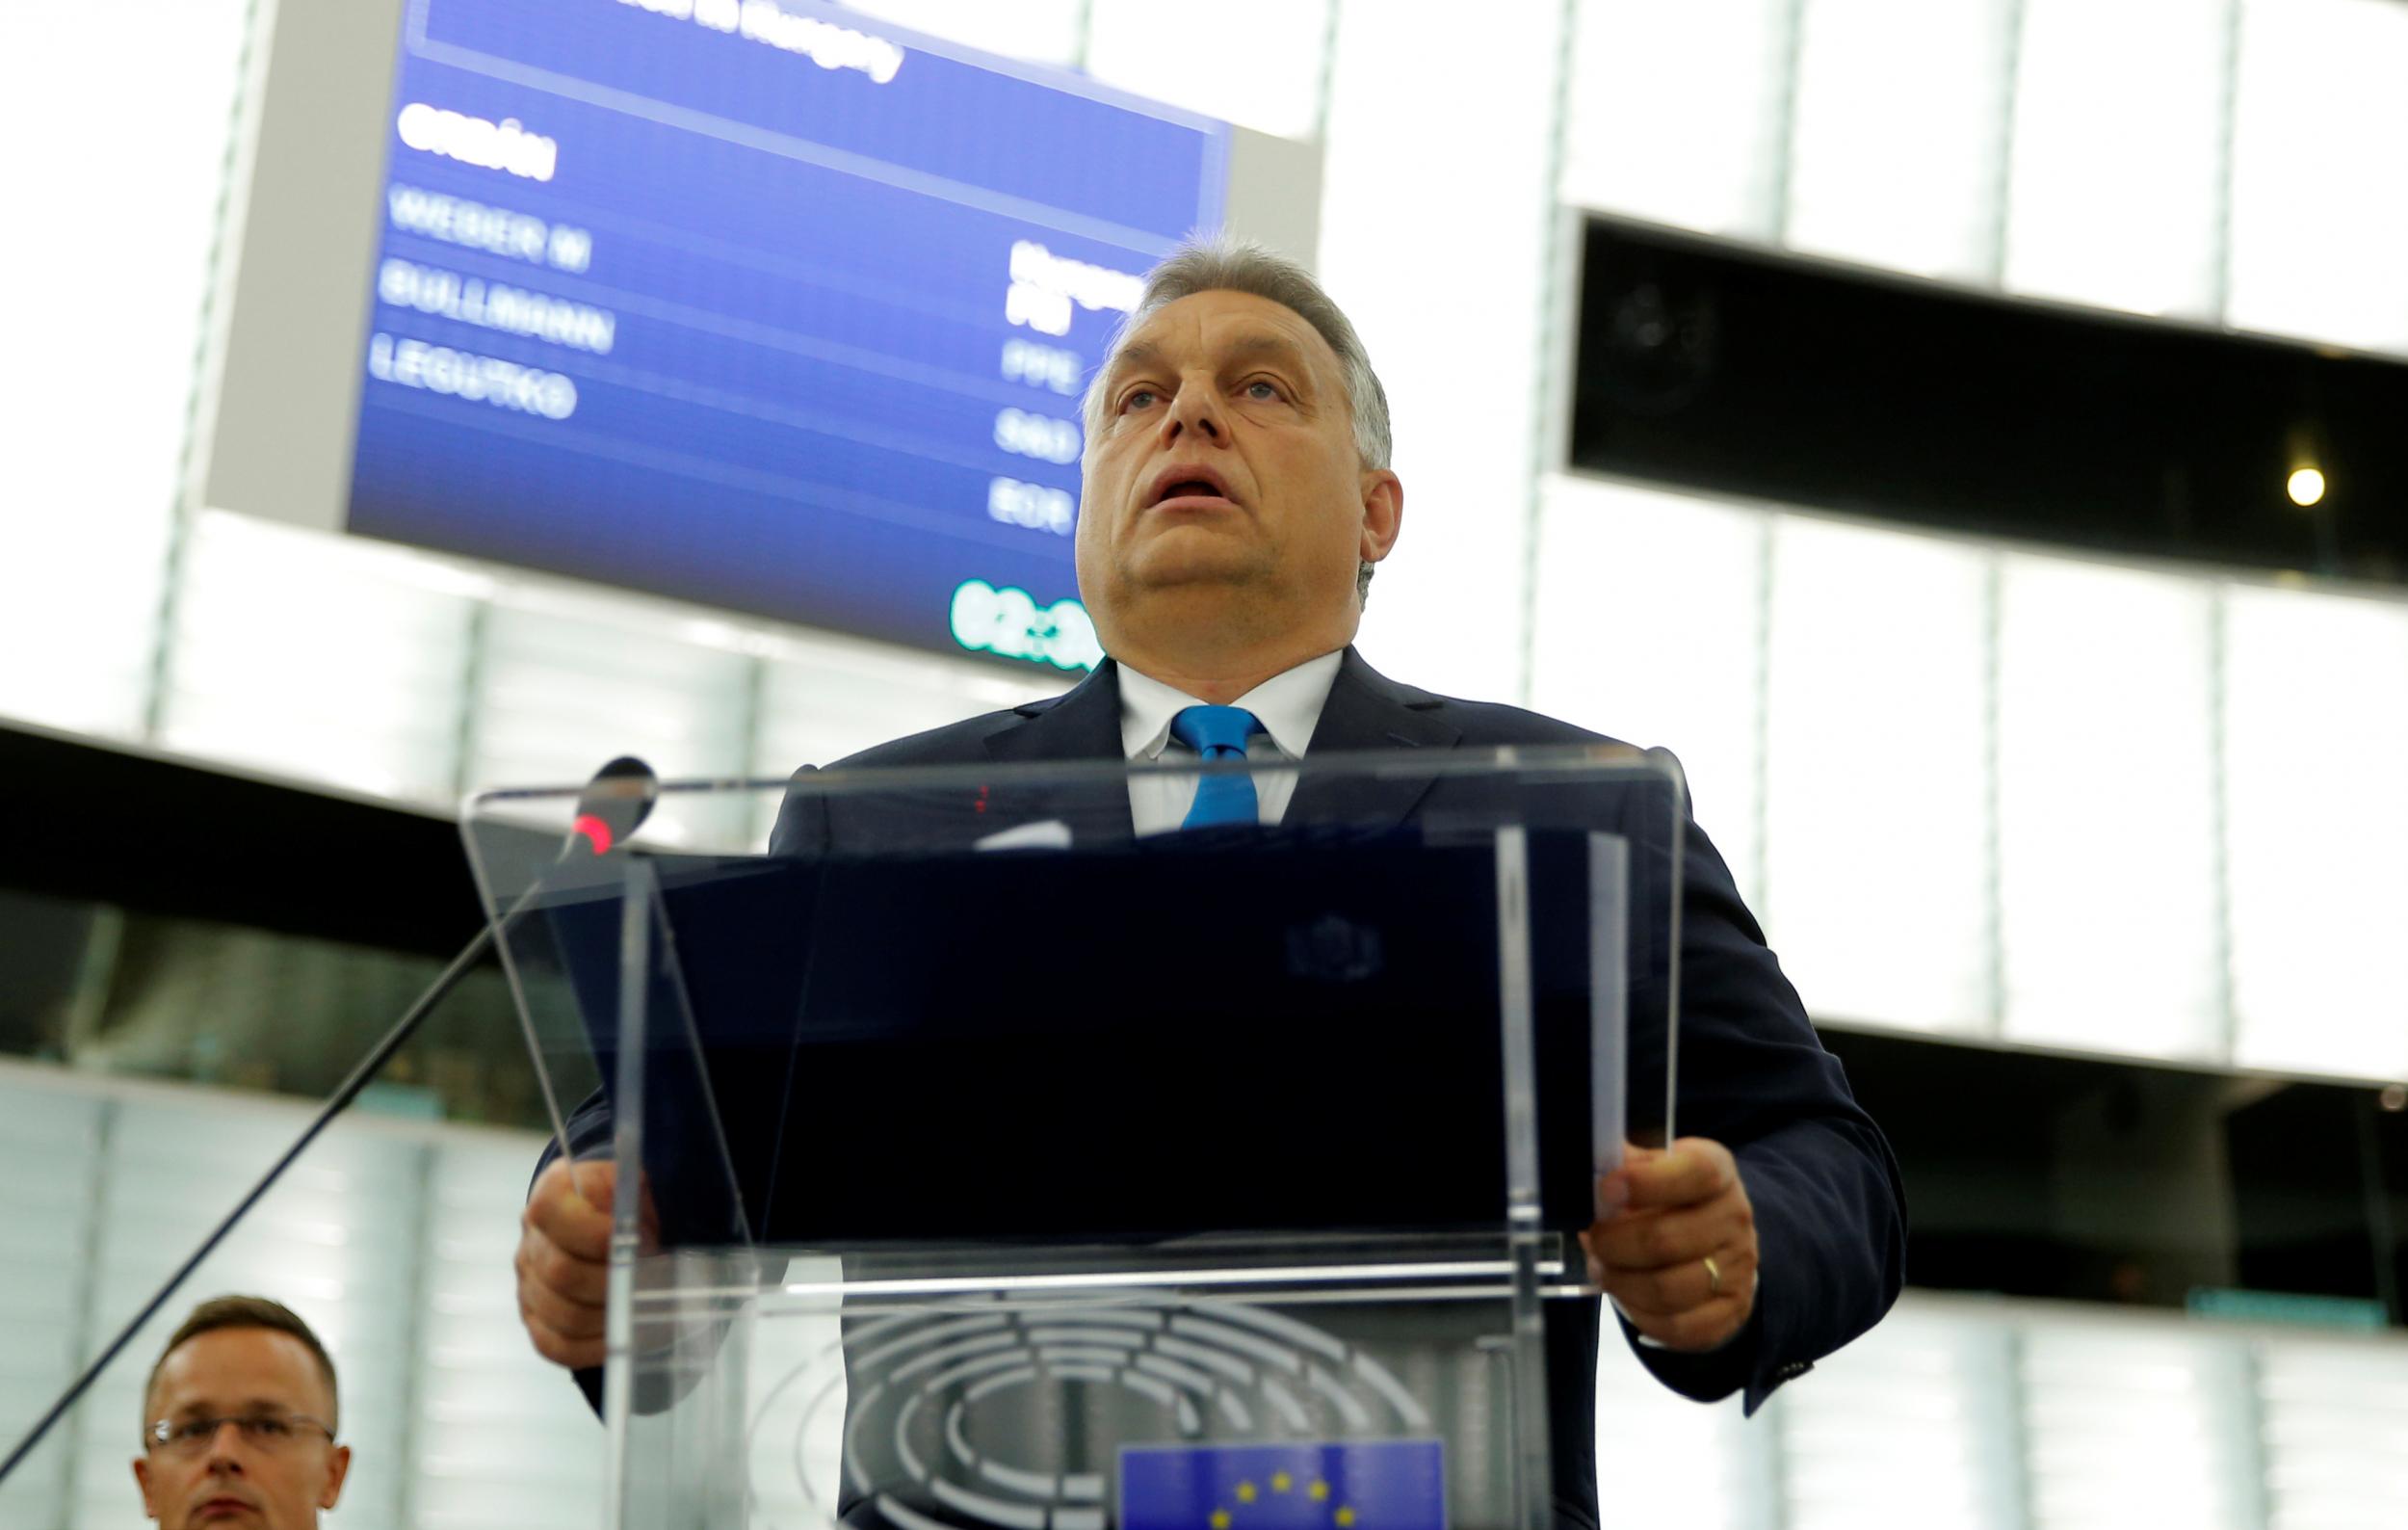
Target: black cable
344,1094
610,809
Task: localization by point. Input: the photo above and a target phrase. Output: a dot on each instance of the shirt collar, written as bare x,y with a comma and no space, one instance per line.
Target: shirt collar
1288,705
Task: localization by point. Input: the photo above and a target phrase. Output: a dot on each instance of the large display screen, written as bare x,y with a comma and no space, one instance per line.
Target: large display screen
757,303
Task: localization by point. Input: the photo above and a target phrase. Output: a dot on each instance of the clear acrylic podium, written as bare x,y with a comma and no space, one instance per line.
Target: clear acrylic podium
981,1165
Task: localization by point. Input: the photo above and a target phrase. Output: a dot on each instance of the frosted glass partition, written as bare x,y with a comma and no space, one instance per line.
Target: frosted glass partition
822,699
51,1145
1255,63
2115,184
2115,808
2106,782
312,655
1675,113
2244,161
1877,743
393,1240
337,1242
1650,619
1435,227
330,664
1707,1468
2320,172
80,587
396,1239
821,702
1911,1426
2334,1415
2236,160
2314,735
1900,167
563,685
2145,1426
501,1440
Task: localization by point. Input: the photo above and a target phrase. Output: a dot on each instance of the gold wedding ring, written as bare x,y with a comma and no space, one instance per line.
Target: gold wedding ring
1714,1277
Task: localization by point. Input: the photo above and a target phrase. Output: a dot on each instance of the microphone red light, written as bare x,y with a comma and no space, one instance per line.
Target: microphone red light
595,831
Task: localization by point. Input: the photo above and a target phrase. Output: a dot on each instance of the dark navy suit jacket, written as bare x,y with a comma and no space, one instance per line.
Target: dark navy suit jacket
1830,1215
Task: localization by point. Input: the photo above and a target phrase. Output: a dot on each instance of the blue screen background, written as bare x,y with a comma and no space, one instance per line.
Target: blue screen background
804,275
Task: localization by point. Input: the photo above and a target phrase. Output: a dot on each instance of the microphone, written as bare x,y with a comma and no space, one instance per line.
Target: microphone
613,804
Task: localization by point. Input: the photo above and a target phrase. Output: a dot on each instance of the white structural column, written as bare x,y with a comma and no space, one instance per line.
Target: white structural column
1677,113
1650,629
1878,866
2314,738
1256,63
1911,1426
318,656
1436,233
2136,1425
2113,187
2106,785
1896,139
1040,31
117,123
502,1439
2333,1411
51,1143
2320,172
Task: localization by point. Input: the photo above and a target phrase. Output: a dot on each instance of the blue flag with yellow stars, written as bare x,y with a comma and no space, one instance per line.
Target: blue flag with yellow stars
1349,1485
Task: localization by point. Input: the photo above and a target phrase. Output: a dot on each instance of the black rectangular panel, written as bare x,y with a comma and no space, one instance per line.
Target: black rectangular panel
1801,383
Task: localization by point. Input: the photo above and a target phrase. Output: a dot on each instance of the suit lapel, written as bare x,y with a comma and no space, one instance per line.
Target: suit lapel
1081,726
1367,711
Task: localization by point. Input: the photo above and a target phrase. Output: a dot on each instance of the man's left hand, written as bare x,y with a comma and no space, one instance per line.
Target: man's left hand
1679,1207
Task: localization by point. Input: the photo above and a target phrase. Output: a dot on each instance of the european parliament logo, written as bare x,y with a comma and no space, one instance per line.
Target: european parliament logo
1349,1485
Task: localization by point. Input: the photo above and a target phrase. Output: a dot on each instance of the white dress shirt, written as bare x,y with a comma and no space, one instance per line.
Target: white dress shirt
1287,708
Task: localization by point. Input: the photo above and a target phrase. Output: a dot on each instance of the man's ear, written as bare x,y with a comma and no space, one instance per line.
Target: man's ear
1383,512
141,1480
338,1466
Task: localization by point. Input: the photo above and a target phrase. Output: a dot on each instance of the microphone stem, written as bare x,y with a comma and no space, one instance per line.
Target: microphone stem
346,1091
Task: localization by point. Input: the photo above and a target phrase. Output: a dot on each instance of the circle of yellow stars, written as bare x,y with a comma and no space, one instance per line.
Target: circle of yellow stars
1282,1482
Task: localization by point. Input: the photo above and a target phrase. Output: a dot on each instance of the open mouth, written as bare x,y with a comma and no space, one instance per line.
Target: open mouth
1186,481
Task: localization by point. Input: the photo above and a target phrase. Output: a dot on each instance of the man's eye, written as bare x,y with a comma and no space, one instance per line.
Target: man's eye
268,1428
196,1428
1137,399
1260,389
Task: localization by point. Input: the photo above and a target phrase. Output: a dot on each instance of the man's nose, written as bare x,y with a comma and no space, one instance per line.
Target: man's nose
1196,411
223,1456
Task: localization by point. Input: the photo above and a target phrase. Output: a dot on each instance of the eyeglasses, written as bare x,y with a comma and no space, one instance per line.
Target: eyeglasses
267,1431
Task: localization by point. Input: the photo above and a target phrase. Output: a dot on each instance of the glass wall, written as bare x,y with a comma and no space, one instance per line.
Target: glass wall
1981,791
1987,728
1987,792
393,1239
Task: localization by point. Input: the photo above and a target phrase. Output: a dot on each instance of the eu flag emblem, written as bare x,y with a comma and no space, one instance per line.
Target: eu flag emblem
1345,1485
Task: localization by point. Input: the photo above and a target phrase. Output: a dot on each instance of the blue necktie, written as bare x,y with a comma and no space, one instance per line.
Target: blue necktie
1219,732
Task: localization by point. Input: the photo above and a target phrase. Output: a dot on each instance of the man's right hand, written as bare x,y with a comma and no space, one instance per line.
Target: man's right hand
564,1261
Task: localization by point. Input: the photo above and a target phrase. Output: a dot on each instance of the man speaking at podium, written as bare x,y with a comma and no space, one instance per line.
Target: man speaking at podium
1237,497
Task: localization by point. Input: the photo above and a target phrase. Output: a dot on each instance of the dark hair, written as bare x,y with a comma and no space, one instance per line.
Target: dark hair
245,1312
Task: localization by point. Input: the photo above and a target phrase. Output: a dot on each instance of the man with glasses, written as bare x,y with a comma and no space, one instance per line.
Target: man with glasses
239,1420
